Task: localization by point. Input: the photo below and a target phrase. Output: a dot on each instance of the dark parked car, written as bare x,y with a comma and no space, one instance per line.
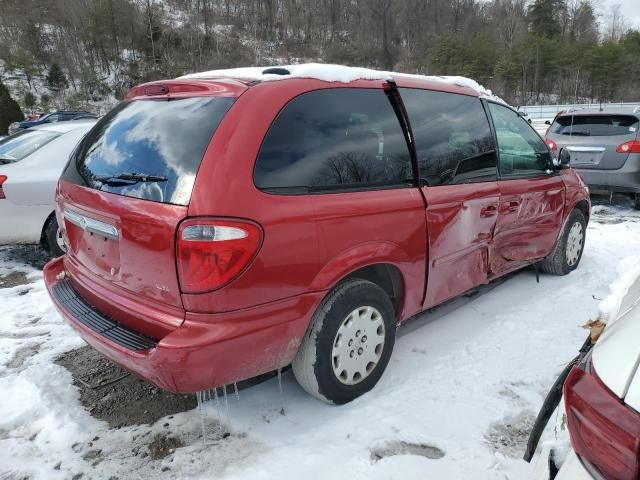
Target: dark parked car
604,147
221,228
49,118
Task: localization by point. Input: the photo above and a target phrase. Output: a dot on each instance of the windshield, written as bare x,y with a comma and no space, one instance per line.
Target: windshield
22,144
595,125
148,149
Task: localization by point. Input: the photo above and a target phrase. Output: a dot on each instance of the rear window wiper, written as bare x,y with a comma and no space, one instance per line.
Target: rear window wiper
4,161
126,178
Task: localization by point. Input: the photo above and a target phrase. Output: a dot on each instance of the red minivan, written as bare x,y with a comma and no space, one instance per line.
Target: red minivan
220,228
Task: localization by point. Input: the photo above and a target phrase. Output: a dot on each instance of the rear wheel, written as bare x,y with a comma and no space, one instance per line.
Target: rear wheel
53,238
567,253
349,342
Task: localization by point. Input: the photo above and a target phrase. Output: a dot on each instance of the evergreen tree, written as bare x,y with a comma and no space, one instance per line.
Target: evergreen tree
546,17
56,81
9,110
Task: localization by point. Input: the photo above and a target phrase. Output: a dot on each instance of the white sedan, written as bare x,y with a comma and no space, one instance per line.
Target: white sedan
31,162
597,431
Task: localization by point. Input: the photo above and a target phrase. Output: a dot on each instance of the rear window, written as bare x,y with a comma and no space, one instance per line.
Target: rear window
148,149
23,144
595,125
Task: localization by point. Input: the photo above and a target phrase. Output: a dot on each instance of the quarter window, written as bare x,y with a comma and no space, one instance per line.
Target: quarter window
339,138
522,151
452,136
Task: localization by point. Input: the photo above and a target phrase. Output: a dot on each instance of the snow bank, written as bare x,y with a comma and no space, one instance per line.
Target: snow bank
337,73
625,291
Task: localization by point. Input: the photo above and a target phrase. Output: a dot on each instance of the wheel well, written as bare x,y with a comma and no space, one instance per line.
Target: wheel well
43,236
386,277
583,206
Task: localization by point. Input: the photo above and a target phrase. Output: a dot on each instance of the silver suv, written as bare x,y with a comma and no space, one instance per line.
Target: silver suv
604,147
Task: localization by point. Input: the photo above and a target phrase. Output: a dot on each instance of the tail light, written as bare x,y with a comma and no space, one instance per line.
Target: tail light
629,147
552,145
212,252
3,178
604,431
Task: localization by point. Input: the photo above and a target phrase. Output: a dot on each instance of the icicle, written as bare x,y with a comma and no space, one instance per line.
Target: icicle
281,395
200,398
235,388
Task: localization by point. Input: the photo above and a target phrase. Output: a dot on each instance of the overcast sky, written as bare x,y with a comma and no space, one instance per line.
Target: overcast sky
629,8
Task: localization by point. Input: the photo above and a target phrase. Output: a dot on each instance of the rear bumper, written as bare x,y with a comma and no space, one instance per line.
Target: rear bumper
625,179
207,350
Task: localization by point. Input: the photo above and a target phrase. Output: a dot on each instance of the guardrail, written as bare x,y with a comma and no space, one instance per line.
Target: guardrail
547,112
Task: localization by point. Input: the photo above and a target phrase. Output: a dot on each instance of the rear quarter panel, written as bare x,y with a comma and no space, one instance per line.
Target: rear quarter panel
310,241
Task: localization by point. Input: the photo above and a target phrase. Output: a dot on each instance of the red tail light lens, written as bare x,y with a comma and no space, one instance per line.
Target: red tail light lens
552,145
213,252
3,178
604,431
629,147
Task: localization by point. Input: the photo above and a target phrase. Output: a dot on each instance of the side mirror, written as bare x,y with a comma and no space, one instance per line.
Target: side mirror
564,157
547,122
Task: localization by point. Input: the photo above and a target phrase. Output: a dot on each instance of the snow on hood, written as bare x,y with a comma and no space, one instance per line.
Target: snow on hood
337,73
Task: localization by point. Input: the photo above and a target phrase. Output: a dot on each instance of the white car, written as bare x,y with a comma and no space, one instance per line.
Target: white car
597,431
31,162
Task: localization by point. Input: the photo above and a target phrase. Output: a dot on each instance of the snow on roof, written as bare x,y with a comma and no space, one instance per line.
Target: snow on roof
336,73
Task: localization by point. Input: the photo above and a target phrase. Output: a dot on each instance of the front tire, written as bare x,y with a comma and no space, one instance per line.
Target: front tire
567,253
53,238
348,344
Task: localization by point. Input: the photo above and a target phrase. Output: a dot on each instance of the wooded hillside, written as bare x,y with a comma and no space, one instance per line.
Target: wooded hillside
80,51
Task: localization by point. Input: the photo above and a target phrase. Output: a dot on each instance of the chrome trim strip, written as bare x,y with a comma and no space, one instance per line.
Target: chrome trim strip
585,149
91,224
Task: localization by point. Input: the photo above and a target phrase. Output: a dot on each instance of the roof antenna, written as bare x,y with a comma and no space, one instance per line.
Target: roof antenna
276,71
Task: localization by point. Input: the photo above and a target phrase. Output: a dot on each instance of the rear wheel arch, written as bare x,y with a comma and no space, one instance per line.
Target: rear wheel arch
386,276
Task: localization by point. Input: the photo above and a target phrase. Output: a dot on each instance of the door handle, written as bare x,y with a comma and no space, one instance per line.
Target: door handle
489,211
510,207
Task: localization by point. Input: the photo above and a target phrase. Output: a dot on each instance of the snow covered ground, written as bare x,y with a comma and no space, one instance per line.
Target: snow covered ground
456,402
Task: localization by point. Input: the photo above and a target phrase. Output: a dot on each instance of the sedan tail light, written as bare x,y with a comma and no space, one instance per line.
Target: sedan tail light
604,431
629,147
3,178
212,252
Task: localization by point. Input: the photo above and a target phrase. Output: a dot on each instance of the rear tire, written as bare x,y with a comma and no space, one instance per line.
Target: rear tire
53,238
348,344
567,253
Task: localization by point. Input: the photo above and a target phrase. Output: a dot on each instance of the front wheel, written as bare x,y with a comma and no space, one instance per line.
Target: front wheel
567,253
349,342
53,238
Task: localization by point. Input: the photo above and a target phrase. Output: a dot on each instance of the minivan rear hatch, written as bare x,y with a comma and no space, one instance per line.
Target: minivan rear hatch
126,188
593,139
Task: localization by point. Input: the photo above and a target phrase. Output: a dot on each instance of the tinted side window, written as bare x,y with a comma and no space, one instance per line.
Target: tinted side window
522,151
334,139
452,135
